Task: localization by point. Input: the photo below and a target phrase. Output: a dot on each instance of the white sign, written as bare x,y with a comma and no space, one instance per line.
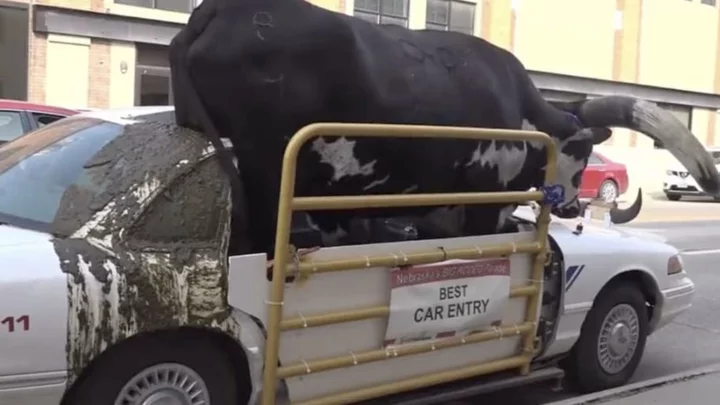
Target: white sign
448,298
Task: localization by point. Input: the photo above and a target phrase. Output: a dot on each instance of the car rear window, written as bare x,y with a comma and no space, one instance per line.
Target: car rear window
11,125
37,169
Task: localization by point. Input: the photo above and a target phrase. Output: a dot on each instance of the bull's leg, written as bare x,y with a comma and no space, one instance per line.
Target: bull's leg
486,219
262,220
443,222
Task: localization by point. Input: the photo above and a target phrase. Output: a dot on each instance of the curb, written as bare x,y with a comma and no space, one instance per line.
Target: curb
639,387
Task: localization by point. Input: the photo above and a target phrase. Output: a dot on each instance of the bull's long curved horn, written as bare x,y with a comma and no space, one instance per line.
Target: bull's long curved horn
659,124
623,216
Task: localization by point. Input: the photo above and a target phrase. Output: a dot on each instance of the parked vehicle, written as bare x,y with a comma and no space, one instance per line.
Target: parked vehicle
20,117
603,179
116,288
679,183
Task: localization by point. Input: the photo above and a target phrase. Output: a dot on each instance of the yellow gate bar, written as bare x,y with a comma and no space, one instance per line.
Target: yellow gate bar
316,366
331,318
447,376
399,259
412,200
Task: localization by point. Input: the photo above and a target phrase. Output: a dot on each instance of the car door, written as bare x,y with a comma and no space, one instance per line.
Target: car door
592,177
13,124
33,308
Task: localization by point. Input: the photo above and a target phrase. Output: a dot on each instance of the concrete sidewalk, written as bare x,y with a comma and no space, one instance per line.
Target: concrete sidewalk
696,387
657,208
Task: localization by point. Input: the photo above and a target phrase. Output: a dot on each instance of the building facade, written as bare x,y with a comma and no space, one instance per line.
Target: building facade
113,53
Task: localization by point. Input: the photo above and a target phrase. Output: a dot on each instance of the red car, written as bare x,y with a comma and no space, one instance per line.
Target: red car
603,179
20,117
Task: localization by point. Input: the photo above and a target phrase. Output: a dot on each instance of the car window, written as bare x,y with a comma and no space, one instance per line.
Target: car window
594,160
43,119
11,125
37,169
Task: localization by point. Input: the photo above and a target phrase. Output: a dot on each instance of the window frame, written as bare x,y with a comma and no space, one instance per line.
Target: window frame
379,14
191,5
448,26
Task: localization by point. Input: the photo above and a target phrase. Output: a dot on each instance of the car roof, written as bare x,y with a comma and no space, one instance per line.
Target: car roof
41,108
125,116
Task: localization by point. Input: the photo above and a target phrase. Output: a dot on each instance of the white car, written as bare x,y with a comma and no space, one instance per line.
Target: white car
678,182
116,287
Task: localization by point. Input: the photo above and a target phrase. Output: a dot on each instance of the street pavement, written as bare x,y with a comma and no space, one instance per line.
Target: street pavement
693,339
694,387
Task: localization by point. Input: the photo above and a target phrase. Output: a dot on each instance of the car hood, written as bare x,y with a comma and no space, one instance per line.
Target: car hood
12,236
593,227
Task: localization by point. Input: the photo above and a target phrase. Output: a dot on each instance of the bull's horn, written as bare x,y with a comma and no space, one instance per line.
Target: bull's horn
659,124
623,216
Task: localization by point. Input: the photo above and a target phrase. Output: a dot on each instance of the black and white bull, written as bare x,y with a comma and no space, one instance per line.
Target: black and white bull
263,69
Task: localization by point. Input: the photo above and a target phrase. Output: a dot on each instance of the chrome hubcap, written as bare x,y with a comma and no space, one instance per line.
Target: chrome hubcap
618,340
165,384
608,193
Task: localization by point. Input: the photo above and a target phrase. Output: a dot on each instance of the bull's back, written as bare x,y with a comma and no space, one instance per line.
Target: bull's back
436,77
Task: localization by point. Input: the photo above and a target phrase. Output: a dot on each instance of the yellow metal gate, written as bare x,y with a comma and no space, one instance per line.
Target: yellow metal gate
289,203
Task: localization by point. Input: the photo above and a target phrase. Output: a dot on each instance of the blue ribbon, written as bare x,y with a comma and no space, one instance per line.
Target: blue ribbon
553,194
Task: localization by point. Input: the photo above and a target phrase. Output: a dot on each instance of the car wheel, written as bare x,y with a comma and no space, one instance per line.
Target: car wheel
612,340
182,371
608,191
673,197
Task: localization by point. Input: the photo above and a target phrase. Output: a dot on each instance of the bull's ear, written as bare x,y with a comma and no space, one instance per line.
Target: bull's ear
600,135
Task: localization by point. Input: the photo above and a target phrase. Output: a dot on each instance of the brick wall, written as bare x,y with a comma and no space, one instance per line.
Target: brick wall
99,80
99,74
37,62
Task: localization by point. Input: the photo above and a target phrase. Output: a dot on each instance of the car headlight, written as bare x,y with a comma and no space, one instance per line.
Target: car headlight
675,265
669,172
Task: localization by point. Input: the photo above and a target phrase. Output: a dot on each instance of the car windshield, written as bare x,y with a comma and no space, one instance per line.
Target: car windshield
36,169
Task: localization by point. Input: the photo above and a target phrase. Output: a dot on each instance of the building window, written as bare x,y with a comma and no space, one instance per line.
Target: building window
681,112
383,11
152,76
13,50
182,6
451,15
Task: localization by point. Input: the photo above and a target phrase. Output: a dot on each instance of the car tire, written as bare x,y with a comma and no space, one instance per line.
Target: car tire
673,197
592,366
161,366
608,191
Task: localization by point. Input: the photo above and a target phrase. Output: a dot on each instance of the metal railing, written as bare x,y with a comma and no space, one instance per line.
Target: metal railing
289,203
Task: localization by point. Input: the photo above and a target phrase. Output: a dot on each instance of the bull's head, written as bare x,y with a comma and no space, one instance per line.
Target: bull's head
596,117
